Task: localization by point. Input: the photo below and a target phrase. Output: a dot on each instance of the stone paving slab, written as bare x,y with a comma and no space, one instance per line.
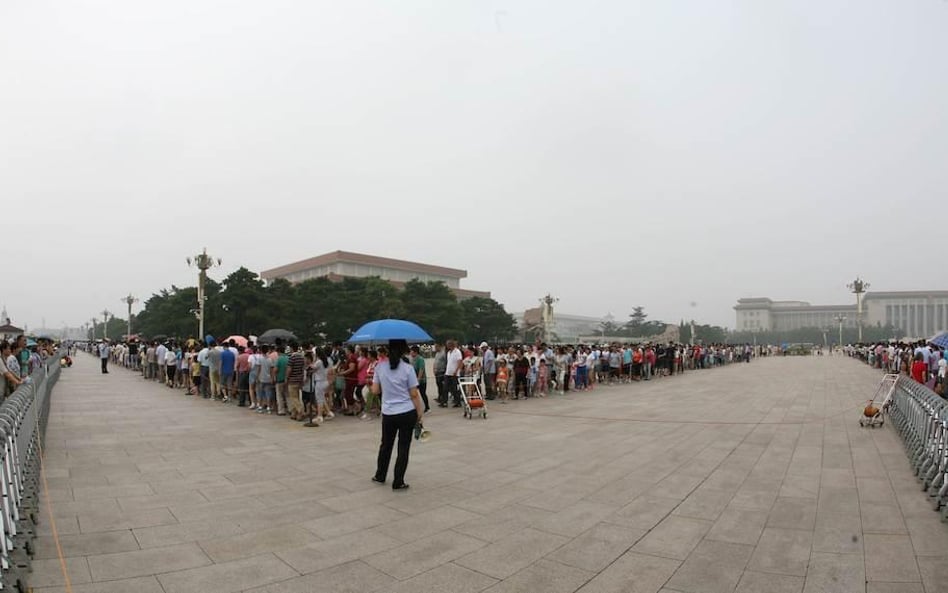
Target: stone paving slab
745,479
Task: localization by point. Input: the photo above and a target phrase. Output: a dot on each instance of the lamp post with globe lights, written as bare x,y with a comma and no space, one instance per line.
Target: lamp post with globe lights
105,324
129,300
858,287
202,262
840,319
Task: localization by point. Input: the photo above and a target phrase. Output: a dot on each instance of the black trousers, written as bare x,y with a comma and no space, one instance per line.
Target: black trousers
489,385
105,365
243,387
521,381
439,381
423,390
451,388
401,426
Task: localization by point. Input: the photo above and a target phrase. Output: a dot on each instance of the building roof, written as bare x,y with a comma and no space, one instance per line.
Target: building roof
906,294
360,258
795,307
816,308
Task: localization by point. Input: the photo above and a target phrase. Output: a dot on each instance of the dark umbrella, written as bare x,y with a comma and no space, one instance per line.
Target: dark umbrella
272,335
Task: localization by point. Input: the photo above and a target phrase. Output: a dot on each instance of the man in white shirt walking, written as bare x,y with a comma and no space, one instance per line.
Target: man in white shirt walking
451,375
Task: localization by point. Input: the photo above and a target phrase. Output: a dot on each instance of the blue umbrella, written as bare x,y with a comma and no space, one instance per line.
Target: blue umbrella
940,340
383,330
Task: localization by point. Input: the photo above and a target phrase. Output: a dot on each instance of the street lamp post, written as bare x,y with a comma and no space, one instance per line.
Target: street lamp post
105,324
129,300
858,287
202,262
840,319
93,328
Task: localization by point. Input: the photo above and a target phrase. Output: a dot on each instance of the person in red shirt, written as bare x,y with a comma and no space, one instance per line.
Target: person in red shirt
243,376
351,374
919,369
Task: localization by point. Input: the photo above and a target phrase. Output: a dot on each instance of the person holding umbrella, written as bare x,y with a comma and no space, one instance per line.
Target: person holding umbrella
402,409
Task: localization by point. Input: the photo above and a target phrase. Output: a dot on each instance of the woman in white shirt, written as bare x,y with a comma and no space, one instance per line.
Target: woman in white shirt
402,409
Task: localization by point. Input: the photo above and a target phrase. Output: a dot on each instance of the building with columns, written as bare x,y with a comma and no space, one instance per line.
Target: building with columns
916,314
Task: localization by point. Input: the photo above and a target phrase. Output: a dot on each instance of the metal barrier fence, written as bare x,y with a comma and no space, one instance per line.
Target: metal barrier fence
23,418
921,416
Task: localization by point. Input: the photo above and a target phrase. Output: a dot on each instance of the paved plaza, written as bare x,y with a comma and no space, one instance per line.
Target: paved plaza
749,478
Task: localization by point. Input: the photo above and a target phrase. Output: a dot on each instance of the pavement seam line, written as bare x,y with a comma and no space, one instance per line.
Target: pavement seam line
67,582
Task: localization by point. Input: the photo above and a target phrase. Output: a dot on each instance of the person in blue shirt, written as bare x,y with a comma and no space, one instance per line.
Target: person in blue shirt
402,408
228,362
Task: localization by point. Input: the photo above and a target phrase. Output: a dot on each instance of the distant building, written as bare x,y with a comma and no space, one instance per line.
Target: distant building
763,314
920,313
566,328
345,264
914,313
7,329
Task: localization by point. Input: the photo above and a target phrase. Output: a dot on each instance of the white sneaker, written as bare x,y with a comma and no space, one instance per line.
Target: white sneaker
364,416
319,419
330,416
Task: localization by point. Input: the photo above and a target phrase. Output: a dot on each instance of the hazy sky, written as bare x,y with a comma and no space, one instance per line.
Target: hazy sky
613,153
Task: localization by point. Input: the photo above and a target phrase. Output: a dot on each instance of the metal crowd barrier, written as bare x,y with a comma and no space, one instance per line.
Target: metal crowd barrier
921,417
23,419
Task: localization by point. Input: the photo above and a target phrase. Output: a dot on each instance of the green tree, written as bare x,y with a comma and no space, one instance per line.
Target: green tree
637,317
486,319
609,328
315,313
171,312
434,307
320,310
706,334
279,300
242,300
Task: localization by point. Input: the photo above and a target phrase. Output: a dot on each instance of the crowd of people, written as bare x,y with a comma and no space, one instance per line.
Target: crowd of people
923,361
18,360
539,370
300,380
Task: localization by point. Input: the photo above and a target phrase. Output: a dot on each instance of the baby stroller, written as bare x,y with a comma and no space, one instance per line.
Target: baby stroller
472,400
874,415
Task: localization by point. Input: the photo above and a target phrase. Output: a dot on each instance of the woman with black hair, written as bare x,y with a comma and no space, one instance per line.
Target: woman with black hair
402,409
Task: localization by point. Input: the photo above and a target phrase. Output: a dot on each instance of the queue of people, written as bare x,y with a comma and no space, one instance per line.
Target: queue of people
538,370
280,378
923,361
284,379
18,360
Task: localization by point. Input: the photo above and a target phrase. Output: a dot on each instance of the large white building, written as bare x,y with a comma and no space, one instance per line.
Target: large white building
764,314
914,313
337,265
919,314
